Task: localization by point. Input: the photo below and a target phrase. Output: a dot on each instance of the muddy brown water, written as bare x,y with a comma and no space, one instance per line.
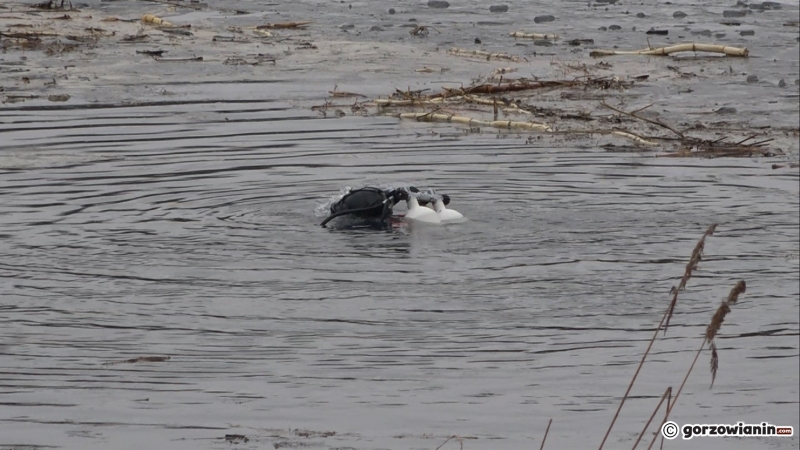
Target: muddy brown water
185,226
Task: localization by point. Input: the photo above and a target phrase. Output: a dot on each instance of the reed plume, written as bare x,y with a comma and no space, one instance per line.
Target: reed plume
716,324
711,332
687,274
697,256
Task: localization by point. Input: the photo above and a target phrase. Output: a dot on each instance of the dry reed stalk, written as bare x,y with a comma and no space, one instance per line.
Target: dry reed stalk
687,274
502,124
541,447
690,47
503,88
634,138
633,114
520,34
483,55
711,333
285,25
410,102
460,441
667,396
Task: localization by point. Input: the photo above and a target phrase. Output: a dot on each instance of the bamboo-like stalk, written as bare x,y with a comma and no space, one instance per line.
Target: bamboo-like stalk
150,18
483,55
520,34
501,124
690,47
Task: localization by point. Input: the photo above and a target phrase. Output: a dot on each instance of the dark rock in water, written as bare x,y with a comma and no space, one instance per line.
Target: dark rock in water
376,28
726,110
392,11
543,19
542,43
641,15
633,29
766,6
678,14
603,29
492,24
58,97
498,8
747,33
614,27
581,41
741,4
412,20
752,79
657,32
438,4
797,82
704,33
478,41
731,23
782,83
348,26
733,13
719,35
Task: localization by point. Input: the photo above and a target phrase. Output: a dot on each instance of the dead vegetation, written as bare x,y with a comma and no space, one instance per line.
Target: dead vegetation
574,104
51,5
422,30
498,94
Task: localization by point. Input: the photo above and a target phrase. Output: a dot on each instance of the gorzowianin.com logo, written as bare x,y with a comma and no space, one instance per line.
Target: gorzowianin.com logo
671,430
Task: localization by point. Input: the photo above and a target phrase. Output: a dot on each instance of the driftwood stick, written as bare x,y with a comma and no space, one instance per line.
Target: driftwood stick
285,25
633,114
691,47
